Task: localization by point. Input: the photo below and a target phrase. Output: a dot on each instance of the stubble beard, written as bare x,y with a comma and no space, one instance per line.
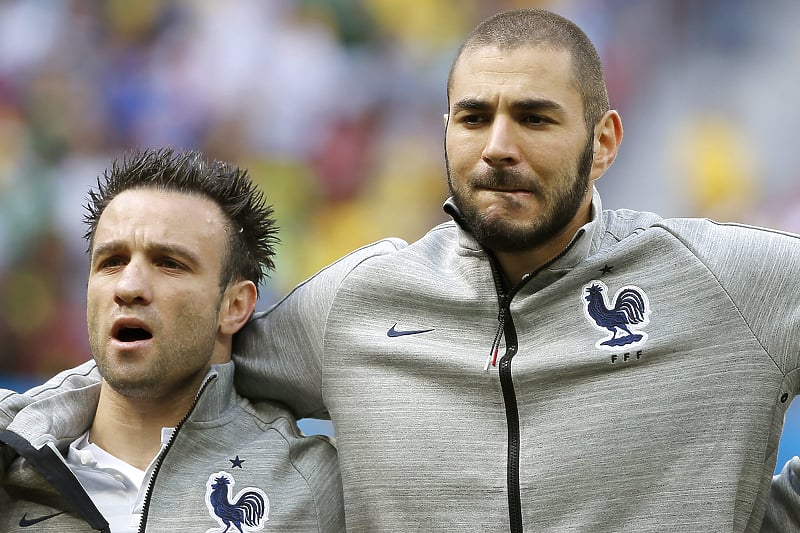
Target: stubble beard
154,378
516,235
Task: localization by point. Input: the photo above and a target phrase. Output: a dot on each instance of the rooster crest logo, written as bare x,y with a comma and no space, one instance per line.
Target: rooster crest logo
247,511
631,307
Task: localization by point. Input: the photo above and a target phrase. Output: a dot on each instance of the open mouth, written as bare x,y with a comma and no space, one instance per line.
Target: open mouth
133,334
130,331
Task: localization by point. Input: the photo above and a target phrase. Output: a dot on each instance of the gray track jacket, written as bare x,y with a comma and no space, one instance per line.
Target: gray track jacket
229,458
641,381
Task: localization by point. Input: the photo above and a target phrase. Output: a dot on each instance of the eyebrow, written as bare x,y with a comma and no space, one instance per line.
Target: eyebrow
171,249
526,104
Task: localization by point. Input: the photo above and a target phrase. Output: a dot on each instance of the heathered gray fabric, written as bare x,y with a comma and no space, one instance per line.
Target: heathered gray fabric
783,506
299,475
681,434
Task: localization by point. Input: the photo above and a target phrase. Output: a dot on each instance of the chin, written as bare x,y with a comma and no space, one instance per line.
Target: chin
145,387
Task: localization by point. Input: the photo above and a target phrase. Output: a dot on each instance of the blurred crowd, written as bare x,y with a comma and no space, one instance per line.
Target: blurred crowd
335,107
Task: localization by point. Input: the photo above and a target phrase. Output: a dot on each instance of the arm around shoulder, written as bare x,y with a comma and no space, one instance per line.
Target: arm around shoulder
280,355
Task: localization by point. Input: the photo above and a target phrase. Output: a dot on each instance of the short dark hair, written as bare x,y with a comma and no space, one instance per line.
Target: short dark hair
251,230
513,29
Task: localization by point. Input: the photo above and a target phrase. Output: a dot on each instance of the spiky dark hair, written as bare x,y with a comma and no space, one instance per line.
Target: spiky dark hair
251,230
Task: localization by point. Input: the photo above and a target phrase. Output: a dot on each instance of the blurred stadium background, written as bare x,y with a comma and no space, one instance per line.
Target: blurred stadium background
336,108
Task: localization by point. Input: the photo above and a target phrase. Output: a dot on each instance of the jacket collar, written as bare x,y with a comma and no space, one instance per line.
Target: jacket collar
65,416
216,395
584,243
62,417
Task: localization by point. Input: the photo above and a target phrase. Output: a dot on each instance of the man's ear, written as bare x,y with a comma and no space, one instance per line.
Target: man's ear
238,304
607,138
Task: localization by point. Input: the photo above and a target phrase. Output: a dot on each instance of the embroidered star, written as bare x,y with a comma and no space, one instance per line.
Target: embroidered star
606,269
236,463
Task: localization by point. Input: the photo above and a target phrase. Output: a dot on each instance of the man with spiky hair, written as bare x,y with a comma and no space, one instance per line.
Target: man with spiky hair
178,247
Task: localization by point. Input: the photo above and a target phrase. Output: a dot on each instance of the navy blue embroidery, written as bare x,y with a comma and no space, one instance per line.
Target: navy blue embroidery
236,463
247,511
631,307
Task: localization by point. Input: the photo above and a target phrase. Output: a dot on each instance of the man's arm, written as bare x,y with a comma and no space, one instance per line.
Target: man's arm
279,355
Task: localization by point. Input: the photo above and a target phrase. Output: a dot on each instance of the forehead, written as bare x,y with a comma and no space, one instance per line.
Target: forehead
525,72
149,216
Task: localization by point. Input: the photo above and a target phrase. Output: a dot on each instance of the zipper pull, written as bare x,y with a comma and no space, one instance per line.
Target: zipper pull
492,359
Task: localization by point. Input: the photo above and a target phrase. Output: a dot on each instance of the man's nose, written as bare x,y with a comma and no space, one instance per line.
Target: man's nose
133,285
502,148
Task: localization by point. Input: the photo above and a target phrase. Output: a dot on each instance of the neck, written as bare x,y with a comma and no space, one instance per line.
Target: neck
517,264
129,428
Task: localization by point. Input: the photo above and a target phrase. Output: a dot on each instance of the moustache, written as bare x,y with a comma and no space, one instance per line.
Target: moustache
505,179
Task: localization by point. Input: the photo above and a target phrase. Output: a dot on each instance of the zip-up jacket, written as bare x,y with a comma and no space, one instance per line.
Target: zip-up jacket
228,460
640,380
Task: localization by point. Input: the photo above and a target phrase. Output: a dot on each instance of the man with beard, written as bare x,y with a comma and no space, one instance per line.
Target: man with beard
539,363
178,246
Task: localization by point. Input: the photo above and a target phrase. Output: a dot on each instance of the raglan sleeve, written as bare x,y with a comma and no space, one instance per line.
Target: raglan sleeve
280,353
758,268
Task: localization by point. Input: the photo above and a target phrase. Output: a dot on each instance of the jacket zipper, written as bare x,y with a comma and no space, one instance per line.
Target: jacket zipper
506,328
163,454
512,421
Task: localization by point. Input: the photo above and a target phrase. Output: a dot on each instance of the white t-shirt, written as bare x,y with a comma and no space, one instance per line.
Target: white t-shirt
116,488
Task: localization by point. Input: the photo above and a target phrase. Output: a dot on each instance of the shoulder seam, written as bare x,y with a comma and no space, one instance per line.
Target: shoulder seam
660,225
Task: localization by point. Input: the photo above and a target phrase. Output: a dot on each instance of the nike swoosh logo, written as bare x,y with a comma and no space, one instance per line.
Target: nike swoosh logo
24,522
399,333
